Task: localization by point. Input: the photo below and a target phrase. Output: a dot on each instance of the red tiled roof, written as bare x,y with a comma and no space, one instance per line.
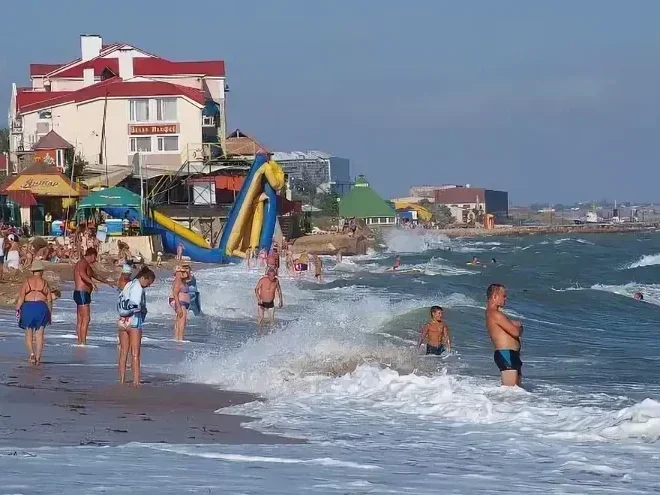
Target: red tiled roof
52,141
43,69
111,88
26,97
154,66
459,195
148,66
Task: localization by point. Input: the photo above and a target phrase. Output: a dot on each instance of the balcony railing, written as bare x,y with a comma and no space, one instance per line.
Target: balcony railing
16,126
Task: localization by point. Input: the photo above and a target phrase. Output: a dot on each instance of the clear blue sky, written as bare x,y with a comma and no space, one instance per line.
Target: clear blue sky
550,100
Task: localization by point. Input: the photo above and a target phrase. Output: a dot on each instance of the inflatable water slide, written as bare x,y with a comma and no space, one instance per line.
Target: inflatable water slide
250,224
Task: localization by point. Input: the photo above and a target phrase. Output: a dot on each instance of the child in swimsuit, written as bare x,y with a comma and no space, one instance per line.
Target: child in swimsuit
435,333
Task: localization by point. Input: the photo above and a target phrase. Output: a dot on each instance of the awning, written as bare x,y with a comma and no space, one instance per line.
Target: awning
22,198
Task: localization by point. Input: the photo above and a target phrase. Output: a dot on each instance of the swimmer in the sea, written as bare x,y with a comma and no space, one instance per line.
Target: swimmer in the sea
435,334
475,261
638,296
266,290
397,263
505,334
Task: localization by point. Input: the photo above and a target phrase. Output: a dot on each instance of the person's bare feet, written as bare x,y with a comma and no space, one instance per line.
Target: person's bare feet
32,359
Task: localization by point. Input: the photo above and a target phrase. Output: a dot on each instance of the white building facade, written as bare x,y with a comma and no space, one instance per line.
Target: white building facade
329,173
117,101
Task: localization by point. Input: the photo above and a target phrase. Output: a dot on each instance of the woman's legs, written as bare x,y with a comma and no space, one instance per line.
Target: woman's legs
124,345
135,335
39,337
183,323
29,334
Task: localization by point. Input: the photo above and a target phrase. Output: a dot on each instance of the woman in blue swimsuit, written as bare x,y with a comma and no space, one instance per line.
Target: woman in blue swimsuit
34,309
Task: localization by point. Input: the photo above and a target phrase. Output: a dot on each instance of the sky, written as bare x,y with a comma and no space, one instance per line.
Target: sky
552,101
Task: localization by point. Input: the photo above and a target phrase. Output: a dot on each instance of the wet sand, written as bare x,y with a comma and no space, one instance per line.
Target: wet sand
66,404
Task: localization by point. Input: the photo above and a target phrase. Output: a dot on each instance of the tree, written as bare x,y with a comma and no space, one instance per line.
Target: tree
442,215
4,140
75,161
329,204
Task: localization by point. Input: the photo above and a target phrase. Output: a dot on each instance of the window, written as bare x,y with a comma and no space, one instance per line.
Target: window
168,143
166,109
45,114
139,110
59,159
140,144
208,121
43,128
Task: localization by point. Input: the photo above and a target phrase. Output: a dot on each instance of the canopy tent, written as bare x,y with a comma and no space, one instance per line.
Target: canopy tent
112,197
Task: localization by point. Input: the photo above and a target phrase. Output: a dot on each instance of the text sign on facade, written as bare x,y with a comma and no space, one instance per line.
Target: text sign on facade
147,130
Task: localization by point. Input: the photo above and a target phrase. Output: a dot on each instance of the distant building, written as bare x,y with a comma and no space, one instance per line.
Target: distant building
364,203
329,173
428,192
414,199
464,201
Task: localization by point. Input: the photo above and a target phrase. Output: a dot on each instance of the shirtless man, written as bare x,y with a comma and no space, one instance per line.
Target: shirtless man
435,333
84,276
318,268
505,334
267,288
273,261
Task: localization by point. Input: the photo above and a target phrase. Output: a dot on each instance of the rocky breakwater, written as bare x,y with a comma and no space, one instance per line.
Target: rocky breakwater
331,243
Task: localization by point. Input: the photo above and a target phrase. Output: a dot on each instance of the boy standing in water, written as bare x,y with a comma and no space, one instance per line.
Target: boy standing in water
435,333
267,288
318,269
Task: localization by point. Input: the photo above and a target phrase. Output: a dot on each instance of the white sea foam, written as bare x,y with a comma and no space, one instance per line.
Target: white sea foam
414,241
651,292
647,260
458,400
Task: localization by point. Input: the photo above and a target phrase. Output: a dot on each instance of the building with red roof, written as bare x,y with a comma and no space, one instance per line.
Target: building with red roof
117,101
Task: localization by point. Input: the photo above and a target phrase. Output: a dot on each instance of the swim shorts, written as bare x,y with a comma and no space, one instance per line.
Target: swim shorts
82,297
135,321
436,351
508,360
267,305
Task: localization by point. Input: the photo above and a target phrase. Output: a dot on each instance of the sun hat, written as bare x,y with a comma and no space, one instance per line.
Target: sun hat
37,266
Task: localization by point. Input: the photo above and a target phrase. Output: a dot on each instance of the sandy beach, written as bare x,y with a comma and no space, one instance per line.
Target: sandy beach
63,405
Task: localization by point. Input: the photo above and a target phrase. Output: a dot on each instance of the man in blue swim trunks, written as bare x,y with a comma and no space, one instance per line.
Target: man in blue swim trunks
84,276
505,335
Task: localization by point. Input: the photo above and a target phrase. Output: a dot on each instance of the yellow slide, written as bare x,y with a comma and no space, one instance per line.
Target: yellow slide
180,230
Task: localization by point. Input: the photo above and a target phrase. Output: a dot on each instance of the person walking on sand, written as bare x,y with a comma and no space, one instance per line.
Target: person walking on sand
34,310
318,268
180,301
132,309
179,251
505,334
435,334
83,277
266,290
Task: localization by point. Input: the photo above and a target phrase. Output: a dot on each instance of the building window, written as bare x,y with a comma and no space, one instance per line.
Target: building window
208,121
168,143
140,144
59,159
43,128
45,114
166,109
139,110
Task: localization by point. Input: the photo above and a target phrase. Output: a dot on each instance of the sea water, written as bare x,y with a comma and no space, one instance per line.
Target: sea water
340,370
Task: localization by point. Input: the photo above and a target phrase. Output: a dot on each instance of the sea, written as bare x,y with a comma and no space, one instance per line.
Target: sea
339,369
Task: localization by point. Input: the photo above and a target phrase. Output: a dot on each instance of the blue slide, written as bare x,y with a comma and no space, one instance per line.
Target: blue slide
250,224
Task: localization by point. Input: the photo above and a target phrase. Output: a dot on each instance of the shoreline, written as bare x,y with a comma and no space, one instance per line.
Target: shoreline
548,230
66,404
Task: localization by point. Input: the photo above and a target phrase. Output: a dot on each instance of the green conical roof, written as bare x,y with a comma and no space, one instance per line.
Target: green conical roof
363,202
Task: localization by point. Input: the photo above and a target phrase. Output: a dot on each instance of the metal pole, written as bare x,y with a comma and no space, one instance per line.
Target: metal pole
141,193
